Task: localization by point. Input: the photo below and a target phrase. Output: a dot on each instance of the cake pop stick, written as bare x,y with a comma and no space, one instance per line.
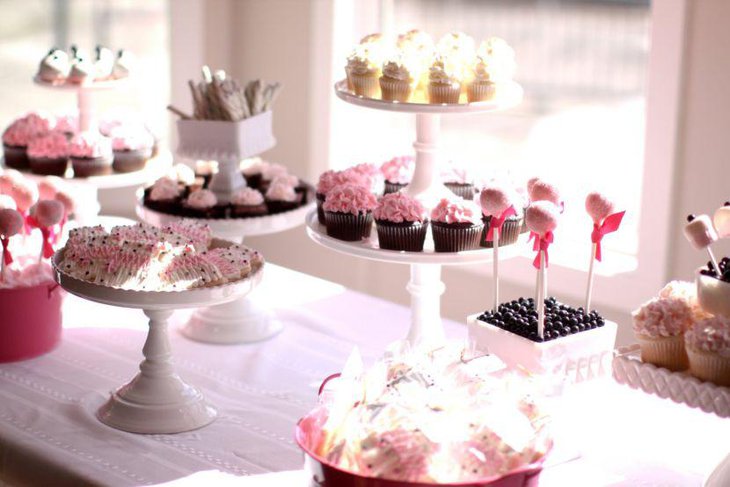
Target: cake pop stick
605,221
11,223
44,215
542,219
700,233
496,205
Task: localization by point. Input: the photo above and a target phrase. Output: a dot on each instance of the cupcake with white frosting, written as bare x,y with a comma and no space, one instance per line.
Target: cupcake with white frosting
132,147
91,154
363,67
708,349
659,326
248,202
444,81
494,64
399,79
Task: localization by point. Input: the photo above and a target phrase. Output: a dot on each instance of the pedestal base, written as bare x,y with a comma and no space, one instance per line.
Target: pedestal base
240,321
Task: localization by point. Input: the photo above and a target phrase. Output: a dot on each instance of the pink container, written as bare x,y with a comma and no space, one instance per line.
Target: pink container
30,321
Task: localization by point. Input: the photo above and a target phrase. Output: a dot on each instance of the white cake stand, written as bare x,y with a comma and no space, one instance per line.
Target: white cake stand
156,400
425,286
241,320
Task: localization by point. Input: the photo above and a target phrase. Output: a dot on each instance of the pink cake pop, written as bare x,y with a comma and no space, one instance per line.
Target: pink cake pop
7,202
25,194
67,201
497,205
8,179
49,186
600,209
542,191
45,215
531,183
11,223
541,218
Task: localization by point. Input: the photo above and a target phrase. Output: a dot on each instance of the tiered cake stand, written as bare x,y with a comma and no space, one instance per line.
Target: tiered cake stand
425,286
156,400
242,320
86,189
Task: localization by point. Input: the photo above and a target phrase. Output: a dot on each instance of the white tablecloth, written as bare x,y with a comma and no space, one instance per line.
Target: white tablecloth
49,435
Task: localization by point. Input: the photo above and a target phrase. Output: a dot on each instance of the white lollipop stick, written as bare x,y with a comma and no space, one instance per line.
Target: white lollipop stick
589,290
495,268
714,262
543,292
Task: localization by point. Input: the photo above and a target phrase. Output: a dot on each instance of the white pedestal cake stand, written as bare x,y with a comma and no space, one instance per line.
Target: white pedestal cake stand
156,400
425,286
242,320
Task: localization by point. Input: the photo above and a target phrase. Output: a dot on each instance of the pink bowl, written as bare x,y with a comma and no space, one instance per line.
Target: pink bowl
324,474
31,321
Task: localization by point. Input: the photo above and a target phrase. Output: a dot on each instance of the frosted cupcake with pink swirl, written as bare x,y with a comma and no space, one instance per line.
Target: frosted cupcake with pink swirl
401,222
659,326
708,348
248,202
330,179
282,196
48,154
397,172
91,154
20,133
132,146
372,175
348,212
203,203
456,225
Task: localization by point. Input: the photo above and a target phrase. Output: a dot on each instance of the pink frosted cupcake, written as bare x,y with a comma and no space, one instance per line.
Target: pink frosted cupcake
348,212
203,204
248,202
397,173
48,154
18,136
401,222
458,179
281,195
372,175
91,154
330,179
659,326
164,196
132,147
708,349
456,225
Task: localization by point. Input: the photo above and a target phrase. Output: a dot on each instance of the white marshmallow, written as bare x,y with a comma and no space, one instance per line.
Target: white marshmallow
700,232
721,220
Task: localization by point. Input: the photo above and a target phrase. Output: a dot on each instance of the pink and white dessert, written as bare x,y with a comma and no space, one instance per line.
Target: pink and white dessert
248,202
48,154
132,147
203,204
401,222
348,212
19,134
54,67
372,175
708,349
456,225
281,195
659,326
90,154
330,179
459,179
500,212
397,172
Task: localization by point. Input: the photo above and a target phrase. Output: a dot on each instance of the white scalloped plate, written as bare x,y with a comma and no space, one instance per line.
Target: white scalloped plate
680,387
111,84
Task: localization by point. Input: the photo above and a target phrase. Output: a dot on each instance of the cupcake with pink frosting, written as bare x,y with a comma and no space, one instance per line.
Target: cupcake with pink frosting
397,173
203,204
458,179
132,147
372,175
248,202
18,136
401,222
164,196
708,348
282,196
348,212
48,154
659,326
91,154
330,179
456,225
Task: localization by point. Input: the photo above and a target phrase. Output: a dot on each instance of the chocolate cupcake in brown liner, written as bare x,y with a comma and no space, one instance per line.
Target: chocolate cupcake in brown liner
130,160
463,190
408,236
397,172
165,196
203,204
18,136
132,148
90,154
320,210
248,202
16,157
327,181
281,196
49,166
348,227
393,187
511,229
456,237
85,167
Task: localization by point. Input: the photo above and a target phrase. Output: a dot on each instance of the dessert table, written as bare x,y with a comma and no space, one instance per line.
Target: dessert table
607,434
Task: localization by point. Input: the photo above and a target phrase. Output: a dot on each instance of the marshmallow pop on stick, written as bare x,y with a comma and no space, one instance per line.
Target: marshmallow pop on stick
542,219
11,223
700,233
45,215
605,221
497,206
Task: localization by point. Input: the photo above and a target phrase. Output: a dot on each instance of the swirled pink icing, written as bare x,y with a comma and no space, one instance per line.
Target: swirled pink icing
89,145
273,171
126,138
281,190
201,199
53,145
350,198
398,170
710,335
455,173
165,189
398,208
662,318
68,124
247,197
372,175
456,211
330,179
23,130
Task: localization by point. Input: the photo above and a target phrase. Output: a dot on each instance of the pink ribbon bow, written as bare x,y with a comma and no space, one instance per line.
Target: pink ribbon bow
497,222
610,224
541,245
48,236
6,252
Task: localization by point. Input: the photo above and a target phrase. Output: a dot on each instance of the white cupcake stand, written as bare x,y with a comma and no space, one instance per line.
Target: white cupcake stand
242,320
157,400
425,286
86,190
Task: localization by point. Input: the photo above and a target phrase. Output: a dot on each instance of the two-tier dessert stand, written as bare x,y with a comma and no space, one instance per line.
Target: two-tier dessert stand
425,286
228,143
157,399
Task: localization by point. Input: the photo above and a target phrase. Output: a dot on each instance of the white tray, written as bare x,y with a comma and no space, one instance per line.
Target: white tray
680,387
